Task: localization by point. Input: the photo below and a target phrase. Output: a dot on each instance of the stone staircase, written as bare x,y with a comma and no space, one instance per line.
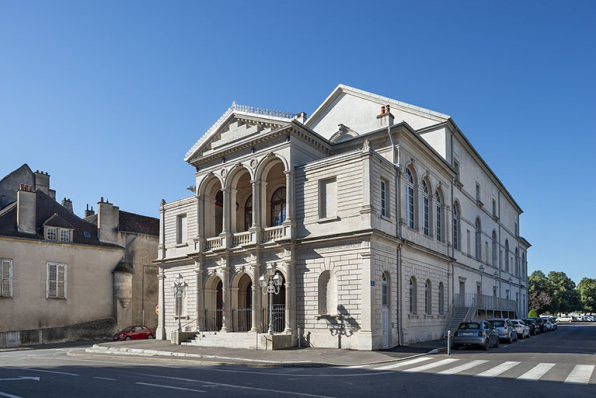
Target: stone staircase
246,340
459,316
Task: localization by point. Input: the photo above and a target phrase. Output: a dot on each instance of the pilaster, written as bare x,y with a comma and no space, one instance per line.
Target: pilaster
160,333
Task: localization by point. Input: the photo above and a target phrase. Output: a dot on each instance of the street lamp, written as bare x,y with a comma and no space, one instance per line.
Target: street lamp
271,286
178,286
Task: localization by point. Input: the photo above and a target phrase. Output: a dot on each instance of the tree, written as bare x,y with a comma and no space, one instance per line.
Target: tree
538,282
587,294
539,301
563,294
532,313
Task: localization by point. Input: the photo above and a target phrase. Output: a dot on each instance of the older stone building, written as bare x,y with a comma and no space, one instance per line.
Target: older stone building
380,217
68,278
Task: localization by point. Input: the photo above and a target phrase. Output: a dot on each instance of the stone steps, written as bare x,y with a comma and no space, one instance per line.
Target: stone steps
224,340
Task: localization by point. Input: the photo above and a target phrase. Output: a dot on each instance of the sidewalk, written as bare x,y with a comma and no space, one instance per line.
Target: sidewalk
302,357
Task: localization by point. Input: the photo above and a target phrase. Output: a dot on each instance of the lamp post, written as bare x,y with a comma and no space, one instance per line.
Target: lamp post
178,286
270,285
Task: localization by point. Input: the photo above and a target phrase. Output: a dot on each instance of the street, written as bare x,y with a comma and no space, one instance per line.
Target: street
556,363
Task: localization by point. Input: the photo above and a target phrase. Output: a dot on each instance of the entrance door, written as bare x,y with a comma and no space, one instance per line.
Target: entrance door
462,293
385,312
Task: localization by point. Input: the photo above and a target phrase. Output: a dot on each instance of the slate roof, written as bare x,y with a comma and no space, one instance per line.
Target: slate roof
46,208
57,221
131,222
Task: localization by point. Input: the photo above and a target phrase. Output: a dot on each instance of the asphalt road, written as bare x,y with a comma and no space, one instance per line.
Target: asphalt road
555,364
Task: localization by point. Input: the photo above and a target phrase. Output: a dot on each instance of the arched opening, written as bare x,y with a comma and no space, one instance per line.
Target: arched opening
494,252
428,297
213,212
243,314
413,294
279,308
214,304
410,201
248,213
327,294
478,240
278,207
456,225
241,191
425,208
385,304
439,216
441,299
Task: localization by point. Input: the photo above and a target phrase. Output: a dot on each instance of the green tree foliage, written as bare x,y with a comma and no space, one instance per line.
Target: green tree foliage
532,313
564,297
587,294
539,301
538,282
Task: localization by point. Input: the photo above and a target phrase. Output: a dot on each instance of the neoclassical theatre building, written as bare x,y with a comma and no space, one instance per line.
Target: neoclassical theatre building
383,222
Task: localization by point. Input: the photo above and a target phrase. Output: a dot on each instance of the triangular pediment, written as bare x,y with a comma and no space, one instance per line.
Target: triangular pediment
237,124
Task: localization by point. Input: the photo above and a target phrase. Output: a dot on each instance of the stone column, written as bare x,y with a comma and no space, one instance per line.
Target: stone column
367,313
255,229
160,333
227,311
226,218
200,238
200,314
290,298
289,230
256,307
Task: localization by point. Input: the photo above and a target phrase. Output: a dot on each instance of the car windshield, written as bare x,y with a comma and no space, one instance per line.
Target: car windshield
128,329
469,325
498,324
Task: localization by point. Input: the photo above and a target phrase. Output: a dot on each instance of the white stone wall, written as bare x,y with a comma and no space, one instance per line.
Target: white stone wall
172,210
189,306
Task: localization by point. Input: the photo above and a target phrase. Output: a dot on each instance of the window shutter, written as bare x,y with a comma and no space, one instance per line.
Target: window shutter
6,279
60,284
52,276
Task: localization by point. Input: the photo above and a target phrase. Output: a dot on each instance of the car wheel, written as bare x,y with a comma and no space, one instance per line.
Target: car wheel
150,337
455,347
127,338
486,344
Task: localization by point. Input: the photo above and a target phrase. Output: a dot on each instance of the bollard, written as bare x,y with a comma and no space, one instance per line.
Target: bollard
448,342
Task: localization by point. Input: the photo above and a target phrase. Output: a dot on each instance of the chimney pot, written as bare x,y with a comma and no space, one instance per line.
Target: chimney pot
382,110
101,199
388,108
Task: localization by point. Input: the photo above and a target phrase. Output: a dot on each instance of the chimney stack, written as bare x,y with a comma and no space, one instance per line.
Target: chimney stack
385,119
26,209
67,204
108,217
301,117
42,182
89,212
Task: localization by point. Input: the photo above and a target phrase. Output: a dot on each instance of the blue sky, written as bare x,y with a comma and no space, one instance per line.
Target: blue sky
108,96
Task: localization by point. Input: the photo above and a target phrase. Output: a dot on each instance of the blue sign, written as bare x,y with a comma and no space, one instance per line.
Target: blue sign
372,283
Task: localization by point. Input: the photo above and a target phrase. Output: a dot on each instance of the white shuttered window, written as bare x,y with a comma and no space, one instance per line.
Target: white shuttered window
6,278
56,287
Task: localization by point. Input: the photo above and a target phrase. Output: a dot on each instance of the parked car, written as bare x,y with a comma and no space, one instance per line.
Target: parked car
541,325
565,318
505,329
534,330
134,333
521,328
475,333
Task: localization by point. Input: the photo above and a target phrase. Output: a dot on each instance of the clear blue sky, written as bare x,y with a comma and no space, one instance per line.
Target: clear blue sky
107,96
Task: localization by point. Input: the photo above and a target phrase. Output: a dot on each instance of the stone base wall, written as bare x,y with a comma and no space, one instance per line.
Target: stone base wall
92,330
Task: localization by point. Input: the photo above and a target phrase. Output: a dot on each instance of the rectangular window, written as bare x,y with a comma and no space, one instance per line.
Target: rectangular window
410,214
425,216
64,235
6,278
383,198
56,280
486,251
478,192
468,241
456,167
181,229
328,198
494,208
52,234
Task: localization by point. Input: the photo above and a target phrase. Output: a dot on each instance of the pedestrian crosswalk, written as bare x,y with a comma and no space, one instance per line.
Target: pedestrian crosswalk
524,371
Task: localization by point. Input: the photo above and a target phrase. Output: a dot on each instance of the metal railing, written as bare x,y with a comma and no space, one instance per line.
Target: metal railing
242,319
273,233
213,243
241,238
213,320
279,318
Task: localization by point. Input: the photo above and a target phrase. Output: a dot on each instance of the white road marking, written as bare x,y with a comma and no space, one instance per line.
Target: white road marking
48,371
170,387
497,370
580,374
403,363
463,367
21,378
432,365
536,372
3,394
104,378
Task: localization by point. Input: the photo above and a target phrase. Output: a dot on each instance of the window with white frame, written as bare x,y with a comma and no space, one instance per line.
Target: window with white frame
181,229
51,233
506,255
64,235
6,278
478,240
494,208
425,209
383,198
328,198
438,216
56,280
494,252
478,192
384,290
410,209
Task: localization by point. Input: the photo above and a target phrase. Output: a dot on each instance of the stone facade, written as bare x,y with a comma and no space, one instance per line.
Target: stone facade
379,228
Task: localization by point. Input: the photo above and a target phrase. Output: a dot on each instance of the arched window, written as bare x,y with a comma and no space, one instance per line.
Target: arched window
438,216
517,262
425,209
218,212
494,249
410,210
478,240
327,294
278,207
506,255
248,213
384,291
441,299
413,294
428,297
456,236
523,263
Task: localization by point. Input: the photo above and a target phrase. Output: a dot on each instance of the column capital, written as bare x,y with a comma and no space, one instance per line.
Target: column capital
289,172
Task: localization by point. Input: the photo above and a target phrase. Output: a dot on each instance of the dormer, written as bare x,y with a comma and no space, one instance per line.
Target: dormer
57,229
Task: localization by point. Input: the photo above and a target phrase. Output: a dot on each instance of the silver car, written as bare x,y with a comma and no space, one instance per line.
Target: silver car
505,329
521,328
476,333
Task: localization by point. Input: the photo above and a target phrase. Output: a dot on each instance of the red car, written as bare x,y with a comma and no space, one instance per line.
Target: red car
134,333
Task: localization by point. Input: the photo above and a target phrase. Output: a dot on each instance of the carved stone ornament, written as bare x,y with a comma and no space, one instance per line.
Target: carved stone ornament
253,163
366,145
224,172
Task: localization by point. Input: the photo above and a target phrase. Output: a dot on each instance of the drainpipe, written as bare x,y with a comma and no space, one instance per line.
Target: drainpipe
395,161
